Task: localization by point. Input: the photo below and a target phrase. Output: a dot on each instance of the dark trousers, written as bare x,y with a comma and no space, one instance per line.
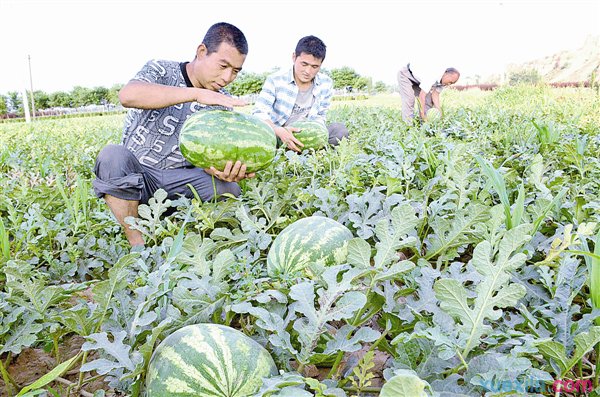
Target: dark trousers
120,174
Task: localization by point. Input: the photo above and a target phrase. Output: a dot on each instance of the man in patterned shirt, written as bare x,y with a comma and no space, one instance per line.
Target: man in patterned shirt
161,96
424,82
299,93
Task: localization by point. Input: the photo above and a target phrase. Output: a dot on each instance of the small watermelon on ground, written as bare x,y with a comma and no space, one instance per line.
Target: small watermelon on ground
213,137
208,360
312,134
433,114
315,239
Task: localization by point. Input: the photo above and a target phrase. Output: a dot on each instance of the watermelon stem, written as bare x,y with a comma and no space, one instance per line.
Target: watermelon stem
9,382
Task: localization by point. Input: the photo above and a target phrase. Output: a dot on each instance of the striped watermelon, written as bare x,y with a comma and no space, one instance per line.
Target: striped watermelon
213,137
208,360
308,240
313,134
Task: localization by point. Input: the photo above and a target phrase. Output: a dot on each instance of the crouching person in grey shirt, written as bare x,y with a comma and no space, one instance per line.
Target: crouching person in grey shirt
161,96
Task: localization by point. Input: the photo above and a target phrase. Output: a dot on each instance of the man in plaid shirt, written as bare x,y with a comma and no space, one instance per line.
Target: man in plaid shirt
300,93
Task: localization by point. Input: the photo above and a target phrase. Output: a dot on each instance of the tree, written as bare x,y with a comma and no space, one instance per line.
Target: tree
380,87
97,96
247,83
113,94
361,83
59,99
3,106
344,77
15,103
524,76
41,99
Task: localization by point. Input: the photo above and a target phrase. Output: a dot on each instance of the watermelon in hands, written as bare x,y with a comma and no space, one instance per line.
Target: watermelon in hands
312,134
213,137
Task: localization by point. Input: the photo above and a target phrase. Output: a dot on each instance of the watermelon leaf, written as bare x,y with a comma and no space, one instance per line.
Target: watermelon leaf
555,351
116,349
450,234
494,292
342,342
394,237
404,383
336,302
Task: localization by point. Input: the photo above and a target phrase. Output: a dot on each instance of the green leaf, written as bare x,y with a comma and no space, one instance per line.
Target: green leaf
493,293
391,239
595,276
584,343
466,227
555,351
404,384
519,207
359,253
336,302
394,271
342,343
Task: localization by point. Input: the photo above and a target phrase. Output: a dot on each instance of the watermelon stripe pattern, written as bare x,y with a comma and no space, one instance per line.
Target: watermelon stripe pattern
312,134
308,240
208,360
213,137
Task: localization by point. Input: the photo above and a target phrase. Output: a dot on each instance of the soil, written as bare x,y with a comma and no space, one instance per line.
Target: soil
32,364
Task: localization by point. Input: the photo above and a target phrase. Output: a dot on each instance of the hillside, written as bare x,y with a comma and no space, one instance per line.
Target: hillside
563,67
567,66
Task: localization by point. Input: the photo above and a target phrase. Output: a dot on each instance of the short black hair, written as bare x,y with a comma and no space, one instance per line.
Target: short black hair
452,71
311,45
223,32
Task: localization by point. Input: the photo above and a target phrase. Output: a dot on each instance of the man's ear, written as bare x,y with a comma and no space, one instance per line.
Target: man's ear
294,56
201,51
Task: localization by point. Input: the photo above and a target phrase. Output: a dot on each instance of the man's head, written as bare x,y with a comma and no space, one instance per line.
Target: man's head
450,76
223,32
308,57
220,57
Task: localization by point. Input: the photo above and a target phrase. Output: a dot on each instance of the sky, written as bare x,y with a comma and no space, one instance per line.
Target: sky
54,45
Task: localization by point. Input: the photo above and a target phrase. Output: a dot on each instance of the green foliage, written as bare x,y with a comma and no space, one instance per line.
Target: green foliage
362,375
494,260
468,263
404,384
347,77
59,99
15,103
3,105
525,76
380,87
247,83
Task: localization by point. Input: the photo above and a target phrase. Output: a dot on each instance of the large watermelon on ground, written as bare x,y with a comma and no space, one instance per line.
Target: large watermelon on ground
315,239
208,360
213,137
313,134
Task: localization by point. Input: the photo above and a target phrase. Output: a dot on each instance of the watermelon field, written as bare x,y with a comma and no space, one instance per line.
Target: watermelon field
468,263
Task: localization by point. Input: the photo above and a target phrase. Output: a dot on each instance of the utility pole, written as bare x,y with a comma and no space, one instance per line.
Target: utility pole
31,87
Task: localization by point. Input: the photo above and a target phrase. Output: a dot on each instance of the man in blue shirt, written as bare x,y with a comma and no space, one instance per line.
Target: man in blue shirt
300,93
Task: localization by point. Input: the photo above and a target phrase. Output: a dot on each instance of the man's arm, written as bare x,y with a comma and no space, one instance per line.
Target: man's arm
435,98
422,96
264,109
143,95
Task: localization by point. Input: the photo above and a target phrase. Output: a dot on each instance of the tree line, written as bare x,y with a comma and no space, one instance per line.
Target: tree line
247,83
